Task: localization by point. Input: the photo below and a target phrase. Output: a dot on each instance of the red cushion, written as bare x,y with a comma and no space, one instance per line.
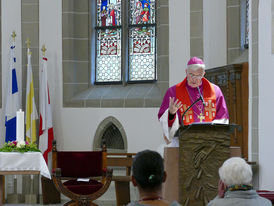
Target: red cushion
80,164
83,188
266,194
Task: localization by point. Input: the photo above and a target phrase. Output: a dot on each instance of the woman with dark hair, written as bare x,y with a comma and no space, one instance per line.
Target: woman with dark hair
148,175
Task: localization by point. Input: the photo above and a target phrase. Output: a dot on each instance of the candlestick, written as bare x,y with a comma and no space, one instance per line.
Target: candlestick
20,126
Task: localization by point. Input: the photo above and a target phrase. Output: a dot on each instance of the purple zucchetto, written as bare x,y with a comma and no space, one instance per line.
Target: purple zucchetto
195,63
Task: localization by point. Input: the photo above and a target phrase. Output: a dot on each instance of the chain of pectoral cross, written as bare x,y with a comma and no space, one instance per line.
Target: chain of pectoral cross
201,115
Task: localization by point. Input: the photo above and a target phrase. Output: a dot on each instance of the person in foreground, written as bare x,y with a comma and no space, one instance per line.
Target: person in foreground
235,185
211,108
148,175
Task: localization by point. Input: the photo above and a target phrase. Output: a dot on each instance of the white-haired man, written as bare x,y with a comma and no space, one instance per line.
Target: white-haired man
179,97
235,185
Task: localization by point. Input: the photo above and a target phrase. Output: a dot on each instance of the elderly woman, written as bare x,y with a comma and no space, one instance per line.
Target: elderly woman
148,176
235,185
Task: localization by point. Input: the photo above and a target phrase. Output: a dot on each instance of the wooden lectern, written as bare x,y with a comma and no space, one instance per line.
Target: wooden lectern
203,149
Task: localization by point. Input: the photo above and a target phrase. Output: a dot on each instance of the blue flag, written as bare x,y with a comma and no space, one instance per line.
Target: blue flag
12,101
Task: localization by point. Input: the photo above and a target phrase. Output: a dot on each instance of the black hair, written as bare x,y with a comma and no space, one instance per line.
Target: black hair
148,169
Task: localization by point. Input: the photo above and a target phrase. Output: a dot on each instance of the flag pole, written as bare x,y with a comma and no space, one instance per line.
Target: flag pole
43,50
14,197
31,116
13,35
31,112
28,45
12,99
46,135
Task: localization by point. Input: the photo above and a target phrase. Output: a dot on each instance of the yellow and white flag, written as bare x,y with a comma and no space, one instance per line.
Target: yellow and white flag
31,112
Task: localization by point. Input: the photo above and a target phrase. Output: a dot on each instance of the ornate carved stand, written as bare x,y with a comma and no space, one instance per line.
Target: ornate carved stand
203,149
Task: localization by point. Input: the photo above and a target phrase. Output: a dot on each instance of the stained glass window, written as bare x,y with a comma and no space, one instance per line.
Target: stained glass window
244,24
142,40
108,41
247,24
142,53
139,47
108,12
142,11
108,55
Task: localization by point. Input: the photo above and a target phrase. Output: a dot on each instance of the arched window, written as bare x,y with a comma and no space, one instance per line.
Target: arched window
111,133
112,138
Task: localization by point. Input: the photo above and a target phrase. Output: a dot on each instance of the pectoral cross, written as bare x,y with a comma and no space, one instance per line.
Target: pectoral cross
201,117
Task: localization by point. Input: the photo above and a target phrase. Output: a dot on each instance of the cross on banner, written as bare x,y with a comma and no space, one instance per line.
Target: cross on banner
188,115
210,109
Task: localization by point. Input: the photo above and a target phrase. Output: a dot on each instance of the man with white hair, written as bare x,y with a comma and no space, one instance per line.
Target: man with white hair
235,185
211,108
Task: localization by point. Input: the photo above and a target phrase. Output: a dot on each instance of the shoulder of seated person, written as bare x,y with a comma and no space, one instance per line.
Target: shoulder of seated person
158,202
175,203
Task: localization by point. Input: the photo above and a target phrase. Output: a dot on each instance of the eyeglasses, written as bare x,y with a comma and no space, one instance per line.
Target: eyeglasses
193,76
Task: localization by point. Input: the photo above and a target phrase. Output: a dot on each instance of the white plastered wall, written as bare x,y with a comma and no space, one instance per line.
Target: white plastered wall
215,33
266,97
179,39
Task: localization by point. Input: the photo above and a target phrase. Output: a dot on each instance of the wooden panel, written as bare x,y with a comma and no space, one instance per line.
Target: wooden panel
25,172
121,178
121,154
49,192
233,81
245,108
119,162
122,186
2,190
171,185
122,193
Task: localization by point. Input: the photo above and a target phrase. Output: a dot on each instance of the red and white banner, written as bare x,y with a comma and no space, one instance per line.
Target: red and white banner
45,127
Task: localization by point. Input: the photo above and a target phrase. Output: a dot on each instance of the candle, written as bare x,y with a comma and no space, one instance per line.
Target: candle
20,126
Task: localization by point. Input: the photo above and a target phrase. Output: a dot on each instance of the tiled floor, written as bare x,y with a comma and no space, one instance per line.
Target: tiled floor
100,203
107,199
29,205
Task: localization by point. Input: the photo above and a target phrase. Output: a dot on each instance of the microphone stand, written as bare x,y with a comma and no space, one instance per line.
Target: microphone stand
201,96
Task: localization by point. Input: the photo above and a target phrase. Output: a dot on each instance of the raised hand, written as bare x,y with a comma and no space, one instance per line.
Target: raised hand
174,105
221,189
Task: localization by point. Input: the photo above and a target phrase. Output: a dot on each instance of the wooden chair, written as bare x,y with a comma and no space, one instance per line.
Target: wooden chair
80,175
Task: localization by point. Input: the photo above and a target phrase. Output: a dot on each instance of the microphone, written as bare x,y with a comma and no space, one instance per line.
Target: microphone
197,100
201,96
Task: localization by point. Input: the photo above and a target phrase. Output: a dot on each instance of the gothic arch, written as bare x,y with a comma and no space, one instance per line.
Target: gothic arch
112,131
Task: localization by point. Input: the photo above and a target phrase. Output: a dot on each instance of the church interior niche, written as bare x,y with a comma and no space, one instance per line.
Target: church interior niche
112,138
